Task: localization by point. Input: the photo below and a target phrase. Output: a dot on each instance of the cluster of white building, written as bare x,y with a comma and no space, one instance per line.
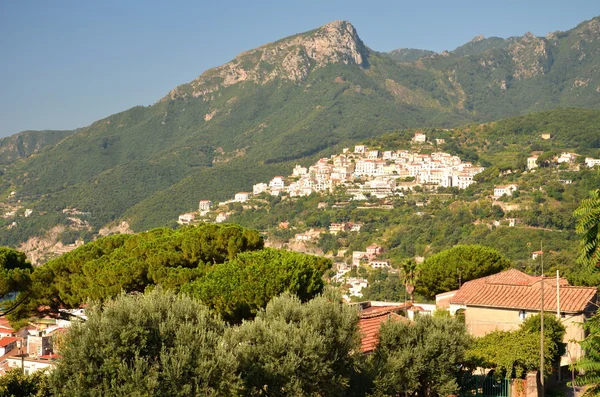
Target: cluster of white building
367,170
363,172
566,158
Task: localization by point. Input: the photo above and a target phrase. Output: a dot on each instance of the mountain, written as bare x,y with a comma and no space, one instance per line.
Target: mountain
408,54
479,44
26,143
287,102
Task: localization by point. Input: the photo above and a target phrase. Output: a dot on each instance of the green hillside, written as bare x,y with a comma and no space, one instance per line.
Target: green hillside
287,102
26,143
408,54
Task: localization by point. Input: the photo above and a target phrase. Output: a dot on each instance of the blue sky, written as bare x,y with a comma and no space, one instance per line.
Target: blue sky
67,63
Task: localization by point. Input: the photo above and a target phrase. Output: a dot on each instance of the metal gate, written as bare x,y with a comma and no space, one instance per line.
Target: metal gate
484,386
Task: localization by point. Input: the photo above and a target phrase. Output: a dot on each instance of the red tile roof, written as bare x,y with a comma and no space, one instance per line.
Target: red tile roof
517,290
369,329
379,310
8,340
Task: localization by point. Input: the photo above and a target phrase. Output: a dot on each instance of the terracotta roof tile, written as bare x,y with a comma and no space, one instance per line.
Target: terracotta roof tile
379,310
8,340
517,290
369,329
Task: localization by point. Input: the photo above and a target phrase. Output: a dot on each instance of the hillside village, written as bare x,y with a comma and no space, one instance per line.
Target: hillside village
362,173
366,173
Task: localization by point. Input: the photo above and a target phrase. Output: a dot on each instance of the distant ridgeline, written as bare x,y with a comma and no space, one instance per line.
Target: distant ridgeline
288,102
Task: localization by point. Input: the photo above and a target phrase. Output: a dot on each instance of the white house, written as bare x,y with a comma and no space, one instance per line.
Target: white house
204,205
379,264
277,183
566,157
242,197
592,162
8,343
535,254
222,217
299,170
420,137
532,162
187,218
360,149
31,365
259,188
502,190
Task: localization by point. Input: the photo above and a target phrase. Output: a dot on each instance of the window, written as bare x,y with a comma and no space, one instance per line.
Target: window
522,314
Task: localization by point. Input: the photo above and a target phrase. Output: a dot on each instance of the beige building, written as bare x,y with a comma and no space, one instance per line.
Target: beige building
30,364
501,302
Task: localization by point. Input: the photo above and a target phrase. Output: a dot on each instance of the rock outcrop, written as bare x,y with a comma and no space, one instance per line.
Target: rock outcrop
291,59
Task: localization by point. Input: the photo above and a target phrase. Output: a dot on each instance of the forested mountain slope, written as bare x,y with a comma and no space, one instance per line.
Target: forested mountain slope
288,101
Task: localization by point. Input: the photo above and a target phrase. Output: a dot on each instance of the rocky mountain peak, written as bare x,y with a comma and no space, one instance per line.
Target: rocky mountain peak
291,58
528,37
530,55
589,30
477,38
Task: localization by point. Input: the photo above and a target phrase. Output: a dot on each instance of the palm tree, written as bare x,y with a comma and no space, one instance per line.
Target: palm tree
409,275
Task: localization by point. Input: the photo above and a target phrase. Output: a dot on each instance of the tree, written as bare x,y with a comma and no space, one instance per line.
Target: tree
146,344
14,383
421,358
104,268
588,225
520,349
409,274
590,364
440,272
15,278
295,349
238,289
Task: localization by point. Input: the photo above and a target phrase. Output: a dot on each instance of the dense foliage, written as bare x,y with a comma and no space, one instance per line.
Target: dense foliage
590,364
441,272
150,344
14,383
294,349
162,344
159,343
224,266
239,288
421,359
520,349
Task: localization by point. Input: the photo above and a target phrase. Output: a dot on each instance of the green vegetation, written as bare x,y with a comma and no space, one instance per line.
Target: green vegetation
588,225
590,364
520,351
441,272
161,344
238,289
133,164
421,359
150,344
158,343
224,266
588,222
26,143
16,384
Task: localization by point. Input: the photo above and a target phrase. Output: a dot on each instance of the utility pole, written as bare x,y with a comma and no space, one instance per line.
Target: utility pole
542,321
558,310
